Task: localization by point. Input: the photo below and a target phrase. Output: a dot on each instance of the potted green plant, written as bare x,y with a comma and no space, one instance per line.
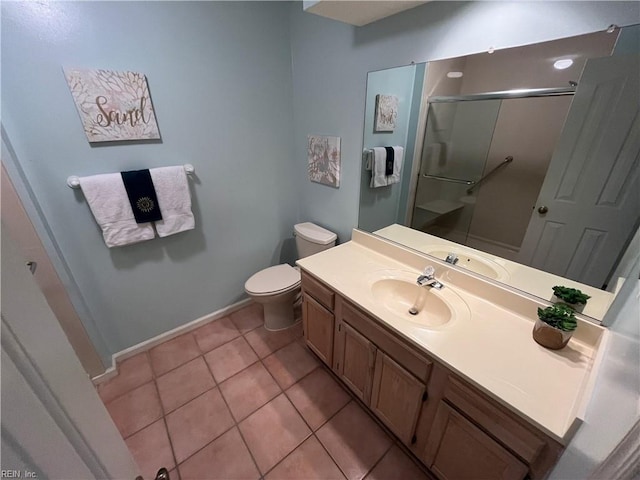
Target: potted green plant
571,296
555,326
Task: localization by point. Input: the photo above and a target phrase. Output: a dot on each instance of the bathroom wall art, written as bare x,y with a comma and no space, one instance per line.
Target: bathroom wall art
386,113
113,106
324,160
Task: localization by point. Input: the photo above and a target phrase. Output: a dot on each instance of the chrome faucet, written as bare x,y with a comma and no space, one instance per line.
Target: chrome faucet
452,258
427,279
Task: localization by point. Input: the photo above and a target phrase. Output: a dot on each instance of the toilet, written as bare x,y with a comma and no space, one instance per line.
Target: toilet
276,288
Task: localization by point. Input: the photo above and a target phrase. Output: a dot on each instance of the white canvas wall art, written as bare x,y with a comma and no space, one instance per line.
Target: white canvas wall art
112,105
386,113
324,160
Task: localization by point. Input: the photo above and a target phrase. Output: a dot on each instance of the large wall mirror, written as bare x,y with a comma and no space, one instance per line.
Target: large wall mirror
520,165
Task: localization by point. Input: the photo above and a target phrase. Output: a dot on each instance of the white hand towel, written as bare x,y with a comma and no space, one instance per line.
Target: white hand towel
398,153
174,200
109,203
378,166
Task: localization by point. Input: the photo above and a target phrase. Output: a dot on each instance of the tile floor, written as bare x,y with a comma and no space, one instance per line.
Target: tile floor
233,401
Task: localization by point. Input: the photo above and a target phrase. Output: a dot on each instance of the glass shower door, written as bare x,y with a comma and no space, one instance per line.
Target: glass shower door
457,140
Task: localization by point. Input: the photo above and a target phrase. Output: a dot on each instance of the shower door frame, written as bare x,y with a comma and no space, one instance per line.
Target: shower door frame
424,119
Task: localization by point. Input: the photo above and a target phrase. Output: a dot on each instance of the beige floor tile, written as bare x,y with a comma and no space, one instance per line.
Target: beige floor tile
265,342
132,373
197,423
230,358
248,390
151,449
227,458
273,432
354,441
184,384
135,410
308,461
396,465
317,397
173,353
290,364
248,318
215,333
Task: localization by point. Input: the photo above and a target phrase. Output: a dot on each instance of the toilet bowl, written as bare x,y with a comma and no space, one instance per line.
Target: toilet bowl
277,288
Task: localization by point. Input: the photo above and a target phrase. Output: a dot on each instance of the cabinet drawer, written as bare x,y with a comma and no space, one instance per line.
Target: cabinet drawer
317,290
410,359
495,420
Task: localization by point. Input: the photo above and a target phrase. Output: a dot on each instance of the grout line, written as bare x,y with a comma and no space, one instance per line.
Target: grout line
166,427
380,459
206,445
330,456
147,354
145,426
233,419
259,407
297,445
169,412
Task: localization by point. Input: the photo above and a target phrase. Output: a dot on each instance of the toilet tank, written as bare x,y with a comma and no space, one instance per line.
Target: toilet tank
310,239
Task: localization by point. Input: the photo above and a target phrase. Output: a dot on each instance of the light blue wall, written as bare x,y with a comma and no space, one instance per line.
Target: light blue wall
331,61
220,80
379,206
237,87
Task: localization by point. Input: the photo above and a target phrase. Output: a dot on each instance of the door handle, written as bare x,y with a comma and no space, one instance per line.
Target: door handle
163,474
543,209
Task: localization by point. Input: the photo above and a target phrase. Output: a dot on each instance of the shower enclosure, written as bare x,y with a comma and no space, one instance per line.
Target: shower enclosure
484,160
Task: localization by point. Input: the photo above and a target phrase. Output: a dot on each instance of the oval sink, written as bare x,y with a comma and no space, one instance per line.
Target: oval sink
398,292
470,261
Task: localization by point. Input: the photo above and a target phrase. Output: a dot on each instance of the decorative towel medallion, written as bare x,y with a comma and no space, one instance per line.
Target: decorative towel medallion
324,160
113,105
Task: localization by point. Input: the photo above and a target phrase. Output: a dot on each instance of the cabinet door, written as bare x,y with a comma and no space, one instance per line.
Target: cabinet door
397,397
458,450
356,361
318,325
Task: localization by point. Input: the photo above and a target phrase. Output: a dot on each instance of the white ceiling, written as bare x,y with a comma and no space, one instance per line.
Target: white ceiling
360,13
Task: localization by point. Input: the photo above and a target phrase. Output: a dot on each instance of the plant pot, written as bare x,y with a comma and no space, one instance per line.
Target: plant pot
550,337
578,307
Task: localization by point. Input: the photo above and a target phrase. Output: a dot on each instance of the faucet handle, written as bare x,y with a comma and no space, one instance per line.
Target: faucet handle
429,271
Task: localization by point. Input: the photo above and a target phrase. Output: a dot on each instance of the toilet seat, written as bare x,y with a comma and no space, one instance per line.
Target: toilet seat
273,280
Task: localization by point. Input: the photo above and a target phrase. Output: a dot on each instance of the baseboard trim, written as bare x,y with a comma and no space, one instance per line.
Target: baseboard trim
112,371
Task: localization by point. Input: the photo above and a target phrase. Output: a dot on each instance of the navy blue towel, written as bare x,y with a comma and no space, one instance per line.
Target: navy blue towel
388,167
142,195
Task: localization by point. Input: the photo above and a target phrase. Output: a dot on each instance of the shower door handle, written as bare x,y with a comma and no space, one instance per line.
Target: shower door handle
542,210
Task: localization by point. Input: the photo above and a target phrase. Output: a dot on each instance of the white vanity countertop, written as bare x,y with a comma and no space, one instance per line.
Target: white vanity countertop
522,277
493,349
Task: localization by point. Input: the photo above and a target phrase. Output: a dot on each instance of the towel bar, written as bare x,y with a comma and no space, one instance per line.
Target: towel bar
74,181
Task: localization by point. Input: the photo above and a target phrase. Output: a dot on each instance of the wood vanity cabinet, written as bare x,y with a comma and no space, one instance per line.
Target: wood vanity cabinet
457,431
386,374
397,397
469,424
317,318
355,360
457,449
